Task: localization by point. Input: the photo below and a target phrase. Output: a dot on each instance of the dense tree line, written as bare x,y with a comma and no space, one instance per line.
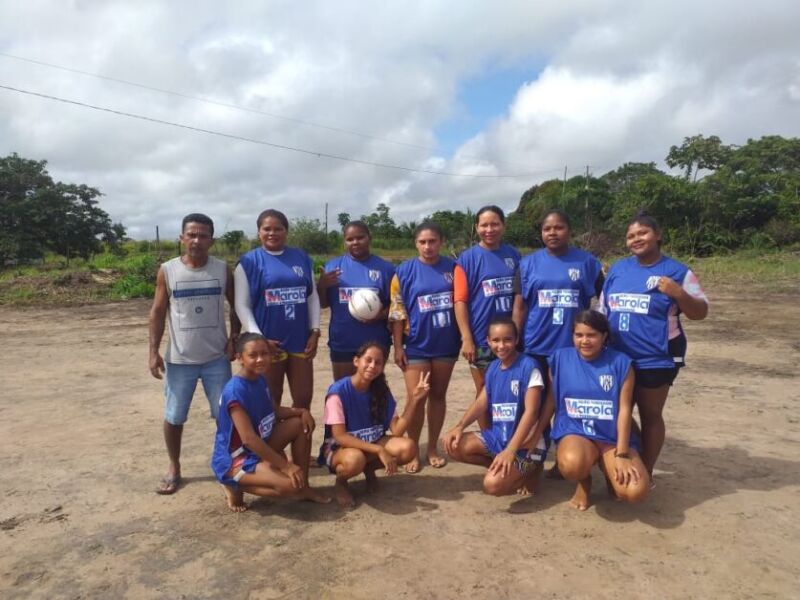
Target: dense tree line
39,215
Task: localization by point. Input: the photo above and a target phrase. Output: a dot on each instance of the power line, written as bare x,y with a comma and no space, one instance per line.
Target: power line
229,105
264,142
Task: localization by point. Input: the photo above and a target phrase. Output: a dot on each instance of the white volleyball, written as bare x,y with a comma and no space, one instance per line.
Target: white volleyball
364,304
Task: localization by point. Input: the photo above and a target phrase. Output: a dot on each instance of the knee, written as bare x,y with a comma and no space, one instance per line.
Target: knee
572,465
493,485
351,464
406,450
635,493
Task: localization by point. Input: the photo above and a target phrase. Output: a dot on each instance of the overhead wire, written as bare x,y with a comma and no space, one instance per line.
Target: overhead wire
316,153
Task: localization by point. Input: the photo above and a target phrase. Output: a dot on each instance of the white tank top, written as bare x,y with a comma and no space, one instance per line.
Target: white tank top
196,316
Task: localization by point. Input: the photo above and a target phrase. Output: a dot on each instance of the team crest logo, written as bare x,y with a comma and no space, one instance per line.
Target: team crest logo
606,382
374,274
510,263
652,282
298,270
515,387
448,277
574,274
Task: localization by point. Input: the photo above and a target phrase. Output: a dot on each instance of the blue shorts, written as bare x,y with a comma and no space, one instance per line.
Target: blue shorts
342,356
424,360
180,382
525,460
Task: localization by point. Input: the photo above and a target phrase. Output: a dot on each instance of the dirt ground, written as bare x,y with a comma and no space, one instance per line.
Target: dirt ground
81,453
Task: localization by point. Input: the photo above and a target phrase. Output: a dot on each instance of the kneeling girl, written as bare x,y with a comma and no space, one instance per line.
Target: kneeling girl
362,431
510,401
592,387
252,433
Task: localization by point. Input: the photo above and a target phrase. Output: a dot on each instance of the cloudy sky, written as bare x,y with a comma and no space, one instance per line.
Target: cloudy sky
494,90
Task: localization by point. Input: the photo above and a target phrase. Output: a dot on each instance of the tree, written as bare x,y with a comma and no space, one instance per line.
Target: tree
698,152
309,235
38,214
380,223
343,219
232,240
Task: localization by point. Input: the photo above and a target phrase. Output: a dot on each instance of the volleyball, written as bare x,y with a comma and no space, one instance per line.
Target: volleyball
364,304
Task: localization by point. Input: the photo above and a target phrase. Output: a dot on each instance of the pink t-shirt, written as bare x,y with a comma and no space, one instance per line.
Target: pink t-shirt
691,286
334,411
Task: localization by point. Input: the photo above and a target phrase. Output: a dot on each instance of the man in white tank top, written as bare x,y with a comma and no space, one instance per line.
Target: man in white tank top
190,293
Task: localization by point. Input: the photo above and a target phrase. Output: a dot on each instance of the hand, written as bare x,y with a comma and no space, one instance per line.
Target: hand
388,461
452,438
669,288
502,463
308,422
423,386
625,472
157,366
328,279
295,475
400,358
274,348
468,350
310,351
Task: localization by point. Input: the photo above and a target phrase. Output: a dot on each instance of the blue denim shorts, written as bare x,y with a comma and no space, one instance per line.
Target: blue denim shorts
180,382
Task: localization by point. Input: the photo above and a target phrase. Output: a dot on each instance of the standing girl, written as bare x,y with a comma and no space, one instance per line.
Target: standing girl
354,270
484,282
555,284
252,433
425,334
276,296
510,403
643,297
359,413
592,387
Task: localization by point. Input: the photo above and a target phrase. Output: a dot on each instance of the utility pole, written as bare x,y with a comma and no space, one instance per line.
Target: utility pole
564,187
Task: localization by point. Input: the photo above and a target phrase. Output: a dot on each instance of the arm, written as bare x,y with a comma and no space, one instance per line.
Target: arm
326,280
545,416
624,470
504,461
242,301
461,309
398,317
400,424
313,319
158,316
235,324
694,307
478,407
598,283
253,441
519,312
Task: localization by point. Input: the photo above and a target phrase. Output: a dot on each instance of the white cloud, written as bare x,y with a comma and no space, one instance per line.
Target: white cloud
622,80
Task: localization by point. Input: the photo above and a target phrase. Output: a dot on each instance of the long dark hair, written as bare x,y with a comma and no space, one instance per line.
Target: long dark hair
378,388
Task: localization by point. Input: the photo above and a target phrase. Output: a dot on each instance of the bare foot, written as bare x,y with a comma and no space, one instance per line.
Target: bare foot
436,461
312,495
412,466
235,499
343,496
580,499
372,480
530,482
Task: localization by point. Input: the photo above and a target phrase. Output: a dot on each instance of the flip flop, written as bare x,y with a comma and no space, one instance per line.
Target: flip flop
169,485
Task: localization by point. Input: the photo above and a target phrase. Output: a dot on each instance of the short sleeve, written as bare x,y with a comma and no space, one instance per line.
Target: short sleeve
397,309
536,379
691,285
334,411
460,285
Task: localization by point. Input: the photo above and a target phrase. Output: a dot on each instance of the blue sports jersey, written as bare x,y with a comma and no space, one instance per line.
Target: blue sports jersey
253,396
279,288
587,394
490,281
638,312
555,289
346,334
427,292
505,393
357,418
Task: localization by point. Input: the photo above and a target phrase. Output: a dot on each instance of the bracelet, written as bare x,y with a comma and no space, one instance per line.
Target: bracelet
622,455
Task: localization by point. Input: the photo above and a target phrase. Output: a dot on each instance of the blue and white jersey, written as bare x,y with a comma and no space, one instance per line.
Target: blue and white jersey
490,281
587,393
357,418
427,292
279,289
555,289
346,334
638,313
505,393
253,396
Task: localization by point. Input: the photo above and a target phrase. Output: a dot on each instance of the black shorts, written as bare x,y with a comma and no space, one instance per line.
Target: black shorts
655,378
